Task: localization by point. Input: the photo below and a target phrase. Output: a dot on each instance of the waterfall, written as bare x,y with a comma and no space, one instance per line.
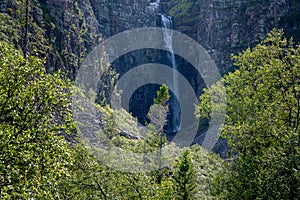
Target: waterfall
174,117
174,107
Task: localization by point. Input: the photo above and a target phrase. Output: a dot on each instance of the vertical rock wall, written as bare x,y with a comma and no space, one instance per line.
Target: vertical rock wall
224,27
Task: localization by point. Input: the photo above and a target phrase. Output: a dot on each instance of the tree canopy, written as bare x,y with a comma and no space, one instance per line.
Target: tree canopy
34,114
262,121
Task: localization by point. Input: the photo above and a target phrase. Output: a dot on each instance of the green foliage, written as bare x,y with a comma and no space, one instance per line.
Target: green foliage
110,127
158,112
162,95
9,29
184,178
34,109
157,116
182,8
207,166
262,122
90,178
211,102
185,13
106,84
32,33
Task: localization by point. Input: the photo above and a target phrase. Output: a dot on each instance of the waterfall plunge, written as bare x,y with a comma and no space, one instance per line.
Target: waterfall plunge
175,113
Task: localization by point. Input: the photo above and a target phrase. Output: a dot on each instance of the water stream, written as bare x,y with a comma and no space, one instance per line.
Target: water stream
174,107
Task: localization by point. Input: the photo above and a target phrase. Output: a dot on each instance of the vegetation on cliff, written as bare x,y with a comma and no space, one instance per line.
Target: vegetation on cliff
44,156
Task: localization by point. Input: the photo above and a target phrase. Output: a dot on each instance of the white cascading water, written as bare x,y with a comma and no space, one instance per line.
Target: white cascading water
167,25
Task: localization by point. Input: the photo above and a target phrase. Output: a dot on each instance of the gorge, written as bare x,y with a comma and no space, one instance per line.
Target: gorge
65,31
149,99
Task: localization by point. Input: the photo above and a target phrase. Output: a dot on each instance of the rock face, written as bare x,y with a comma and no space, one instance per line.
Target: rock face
66,30
117,16
224,27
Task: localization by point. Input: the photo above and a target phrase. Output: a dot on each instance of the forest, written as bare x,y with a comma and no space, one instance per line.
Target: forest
94,102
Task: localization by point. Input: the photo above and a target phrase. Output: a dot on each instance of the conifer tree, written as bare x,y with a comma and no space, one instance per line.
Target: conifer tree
184,178
157,115
162,95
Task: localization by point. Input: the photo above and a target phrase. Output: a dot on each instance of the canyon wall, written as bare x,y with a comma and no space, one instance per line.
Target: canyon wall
65,31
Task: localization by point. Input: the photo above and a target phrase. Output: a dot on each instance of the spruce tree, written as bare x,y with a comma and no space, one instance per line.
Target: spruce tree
157,116
162,95
184,178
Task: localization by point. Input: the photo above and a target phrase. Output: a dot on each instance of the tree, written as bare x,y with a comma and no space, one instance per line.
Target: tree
157,115
184,178
34,114
262,122
162,95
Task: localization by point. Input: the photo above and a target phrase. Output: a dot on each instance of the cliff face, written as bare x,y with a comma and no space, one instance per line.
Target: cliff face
224,27
66,30
117,16
71,28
